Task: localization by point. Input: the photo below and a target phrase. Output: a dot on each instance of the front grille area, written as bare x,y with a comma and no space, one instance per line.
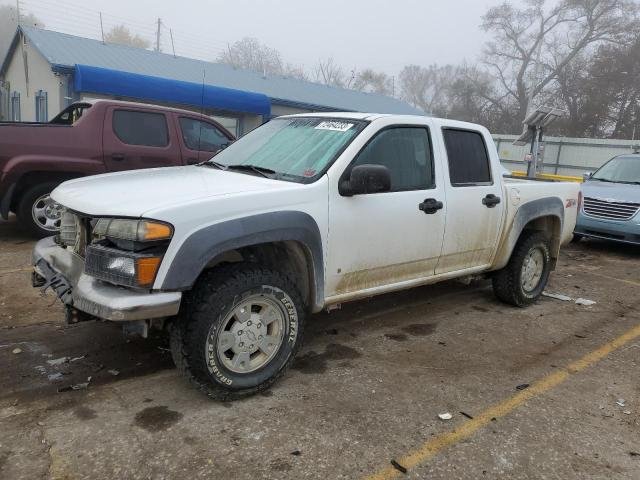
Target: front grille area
610,210
73,232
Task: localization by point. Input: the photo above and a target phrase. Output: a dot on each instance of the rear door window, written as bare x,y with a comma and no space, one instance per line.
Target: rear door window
468,159
141,128
202,136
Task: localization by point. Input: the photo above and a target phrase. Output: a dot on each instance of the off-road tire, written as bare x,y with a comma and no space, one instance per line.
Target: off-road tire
28,198
507,284
204,310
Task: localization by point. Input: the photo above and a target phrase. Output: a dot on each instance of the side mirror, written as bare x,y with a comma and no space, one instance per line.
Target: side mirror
586,176
366,179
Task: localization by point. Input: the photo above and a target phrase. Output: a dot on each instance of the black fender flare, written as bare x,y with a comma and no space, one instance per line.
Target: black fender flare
543,207
205,244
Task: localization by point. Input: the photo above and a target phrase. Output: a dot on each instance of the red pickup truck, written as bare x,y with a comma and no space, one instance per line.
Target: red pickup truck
90,138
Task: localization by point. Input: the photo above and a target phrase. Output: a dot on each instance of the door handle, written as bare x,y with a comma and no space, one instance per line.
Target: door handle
117,157
491,200
430,205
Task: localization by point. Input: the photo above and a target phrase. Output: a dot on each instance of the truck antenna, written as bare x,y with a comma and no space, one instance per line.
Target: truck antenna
204,74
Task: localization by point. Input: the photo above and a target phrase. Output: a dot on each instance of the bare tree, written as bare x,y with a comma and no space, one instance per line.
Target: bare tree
9,24
425,87
369,80
330,73
121,35
533,45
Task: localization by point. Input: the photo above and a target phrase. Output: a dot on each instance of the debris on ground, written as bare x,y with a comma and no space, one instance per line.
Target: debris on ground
398,467
627,412
465,414
296,453
522,386
566,298
445,416
75,359
114,372
54,376
58,361
634,454
16,351
557,296
77,386
620,402
584,301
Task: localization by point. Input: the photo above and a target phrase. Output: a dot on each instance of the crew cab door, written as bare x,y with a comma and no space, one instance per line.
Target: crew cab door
380,239
199,140
136,138
474,200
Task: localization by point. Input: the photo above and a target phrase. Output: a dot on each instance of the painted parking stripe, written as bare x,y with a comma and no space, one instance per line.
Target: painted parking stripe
431,448
623,280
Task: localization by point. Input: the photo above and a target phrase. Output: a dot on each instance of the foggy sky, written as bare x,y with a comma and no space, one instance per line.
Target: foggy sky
381,34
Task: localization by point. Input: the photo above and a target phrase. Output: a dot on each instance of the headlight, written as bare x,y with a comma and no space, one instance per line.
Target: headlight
132,230
131,269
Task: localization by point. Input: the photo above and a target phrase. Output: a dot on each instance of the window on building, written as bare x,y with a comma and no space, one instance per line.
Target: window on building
406,152
231,124
15,107
141,128
468,158
42,108
202,136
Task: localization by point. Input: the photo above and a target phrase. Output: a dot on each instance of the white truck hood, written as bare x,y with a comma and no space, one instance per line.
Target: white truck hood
131,193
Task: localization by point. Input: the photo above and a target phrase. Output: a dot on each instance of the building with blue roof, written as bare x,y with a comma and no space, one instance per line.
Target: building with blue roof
45,71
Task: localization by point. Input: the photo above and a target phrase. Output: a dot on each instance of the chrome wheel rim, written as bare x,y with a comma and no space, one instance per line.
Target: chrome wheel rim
251,334
46,213
532,269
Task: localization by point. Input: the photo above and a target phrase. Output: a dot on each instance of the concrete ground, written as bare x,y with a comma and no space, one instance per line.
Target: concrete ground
367,389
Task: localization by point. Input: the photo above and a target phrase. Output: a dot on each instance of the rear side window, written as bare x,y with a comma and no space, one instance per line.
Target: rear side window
468,158
141,128
202,136
406,152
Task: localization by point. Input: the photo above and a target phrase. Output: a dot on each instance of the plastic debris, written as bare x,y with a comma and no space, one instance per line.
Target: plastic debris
627,412
75,359
77,386
114,372
584,301
16,351
558,296
445,416
465,414
620,402
398,467
58,361
54,376
522,386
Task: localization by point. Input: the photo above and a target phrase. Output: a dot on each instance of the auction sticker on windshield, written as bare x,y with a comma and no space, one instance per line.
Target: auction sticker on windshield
335,126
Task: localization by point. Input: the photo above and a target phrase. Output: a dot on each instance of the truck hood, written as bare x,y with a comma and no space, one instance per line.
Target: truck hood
131,193
620,192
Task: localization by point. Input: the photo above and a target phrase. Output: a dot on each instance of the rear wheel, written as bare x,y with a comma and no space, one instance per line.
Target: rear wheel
37,212
523,279
239,331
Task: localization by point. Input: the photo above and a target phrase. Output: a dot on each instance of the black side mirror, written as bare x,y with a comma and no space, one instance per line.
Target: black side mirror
366,179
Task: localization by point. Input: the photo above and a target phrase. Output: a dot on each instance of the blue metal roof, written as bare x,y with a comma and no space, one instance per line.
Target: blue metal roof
134,85
66,51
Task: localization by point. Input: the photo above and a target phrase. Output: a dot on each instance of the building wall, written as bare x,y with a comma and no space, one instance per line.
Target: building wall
41,77
278,110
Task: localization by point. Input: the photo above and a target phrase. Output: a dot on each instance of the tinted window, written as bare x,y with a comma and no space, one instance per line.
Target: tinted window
202,136
141,128
406,152
468,159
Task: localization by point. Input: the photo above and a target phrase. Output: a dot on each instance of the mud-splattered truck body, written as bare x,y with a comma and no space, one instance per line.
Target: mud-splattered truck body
305,212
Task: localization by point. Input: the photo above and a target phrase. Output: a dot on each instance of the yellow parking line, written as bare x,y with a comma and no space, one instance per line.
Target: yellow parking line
431,448
629,282
15,270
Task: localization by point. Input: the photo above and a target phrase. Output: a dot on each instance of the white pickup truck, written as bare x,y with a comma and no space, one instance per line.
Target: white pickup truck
303,213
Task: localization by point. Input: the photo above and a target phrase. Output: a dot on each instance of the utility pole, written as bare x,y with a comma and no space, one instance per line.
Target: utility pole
173,47
101,27
158,35
18,11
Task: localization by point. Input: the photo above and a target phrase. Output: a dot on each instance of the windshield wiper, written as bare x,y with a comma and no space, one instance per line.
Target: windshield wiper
265,172
211,163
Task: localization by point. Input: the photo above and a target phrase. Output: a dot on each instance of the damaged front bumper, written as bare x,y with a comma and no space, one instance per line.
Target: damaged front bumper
63,271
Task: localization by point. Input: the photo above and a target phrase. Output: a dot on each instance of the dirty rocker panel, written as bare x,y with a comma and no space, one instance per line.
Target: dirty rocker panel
205,244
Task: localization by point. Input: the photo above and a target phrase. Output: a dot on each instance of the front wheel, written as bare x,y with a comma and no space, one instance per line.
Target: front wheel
239,330
523,279
37,212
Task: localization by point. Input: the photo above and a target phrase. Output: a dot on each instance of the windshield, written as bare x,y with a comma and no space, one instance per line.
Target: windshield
619,170
297,149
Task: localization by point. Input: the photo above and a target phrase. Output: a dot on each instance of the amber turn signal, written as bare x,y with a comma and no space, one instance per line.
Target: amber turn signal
146,269
154,231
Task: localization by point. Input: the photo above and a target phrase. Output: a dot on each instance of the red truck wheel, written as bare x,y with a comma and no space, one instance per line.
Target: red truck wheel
37,213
